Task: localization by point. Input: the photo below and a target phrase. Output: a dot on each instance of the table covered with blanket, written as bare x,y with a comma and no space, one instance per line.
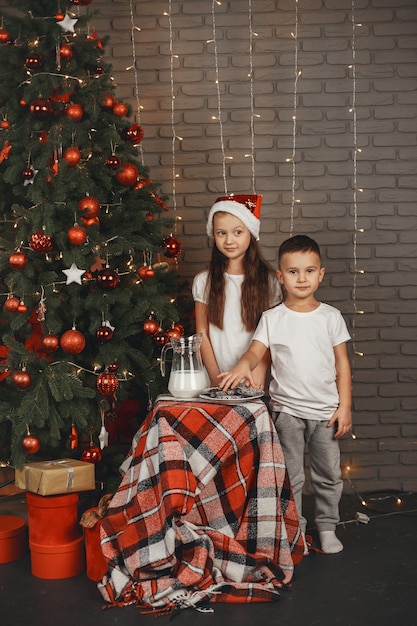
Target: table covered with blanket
204,511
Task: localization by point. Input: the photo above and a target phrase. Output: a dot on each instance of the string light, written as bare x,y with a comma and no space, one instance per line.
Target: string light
356,190
219,105
297,75
252,118
374,502
133,30
174,136
97,368
218,117
65,76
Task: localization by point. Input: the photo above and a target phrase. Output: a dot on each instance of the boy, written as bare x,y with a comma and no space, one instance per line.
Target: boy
310,388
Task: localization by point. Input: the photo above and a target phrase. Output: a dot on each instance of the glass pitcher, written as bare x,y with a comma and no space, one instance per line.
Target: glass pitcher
188,377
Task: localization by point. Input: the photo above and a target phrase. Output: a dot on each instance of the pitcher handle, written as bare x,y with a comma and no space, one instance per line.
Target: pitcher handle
163,352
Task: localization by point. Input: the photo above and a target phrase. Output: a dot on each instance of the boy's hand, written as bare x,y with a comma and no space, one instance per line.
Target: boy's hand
343,418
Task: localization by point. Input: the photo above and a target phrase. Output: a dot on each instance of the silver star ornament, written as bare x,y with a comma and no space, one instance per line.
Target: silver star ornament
68,24
31,180
73,274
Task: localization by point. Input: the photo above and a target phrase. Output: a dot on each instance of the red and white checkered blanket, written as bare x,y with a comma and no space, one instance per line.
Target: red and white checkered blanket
204,511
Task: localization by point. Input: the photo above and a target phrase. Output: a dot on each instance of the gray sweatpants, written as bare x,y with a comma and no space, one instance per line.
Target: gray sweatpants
324,456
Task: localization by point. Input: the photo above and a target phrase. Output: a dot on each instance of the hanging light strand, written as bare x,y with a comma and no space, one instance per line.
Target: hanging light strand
174,134
356,271
135,28
252,111
297,75
219,104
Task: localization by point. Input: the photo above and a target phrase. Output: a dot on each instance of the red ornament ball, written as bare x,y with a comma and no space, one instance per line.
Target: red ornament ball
22,308
72,156
113,367
134,134
28,173
173,247
11,304
160,338
76,235
39,242
31,444
91,455
108,278
41,109
4,36
120,109
141,183
150,326
175,331
22,379
104,334
59,17
107,101
90,221
113,162
18,260
4,124
72,341
178,328
74,112
145,272
33,61
65,52
90,207
50,343
128,175
107,383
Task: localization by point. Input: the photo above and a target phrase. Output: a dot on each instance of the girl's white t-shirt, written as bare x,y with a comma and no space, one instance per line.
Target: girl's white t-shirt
303,370
233,340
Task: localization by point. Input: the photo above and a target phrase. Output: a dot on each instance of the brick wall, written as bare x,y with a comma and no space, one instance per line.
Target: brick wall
375,235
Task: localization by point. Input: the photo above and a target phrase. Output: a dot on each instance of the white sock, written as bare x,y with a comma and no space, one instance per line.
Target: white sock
303,535
330,544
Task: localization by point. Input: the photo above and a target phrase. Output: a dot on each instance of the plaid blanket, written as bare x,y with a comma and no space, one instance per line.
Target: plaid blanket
204,511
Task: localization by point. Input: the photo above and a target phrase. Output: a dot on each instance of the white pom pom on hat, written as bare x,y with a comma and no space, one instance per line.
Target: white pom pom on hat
246,207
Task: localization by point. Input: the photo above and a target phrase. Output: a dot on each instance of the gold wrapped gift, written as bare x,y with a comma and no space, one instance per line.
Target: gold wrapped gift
47,478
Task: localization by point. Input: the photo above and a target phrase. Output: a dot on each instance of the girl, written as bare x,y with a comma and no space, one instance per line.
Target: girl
237,287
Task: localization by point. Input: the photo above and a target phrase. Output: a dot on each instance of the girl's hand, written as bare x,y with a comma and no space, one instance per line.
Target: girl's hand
239,374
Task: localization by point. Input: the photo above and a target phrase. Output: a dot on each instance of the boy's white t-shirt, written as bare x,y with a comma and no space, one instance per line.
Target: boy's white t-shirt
303,370
230,343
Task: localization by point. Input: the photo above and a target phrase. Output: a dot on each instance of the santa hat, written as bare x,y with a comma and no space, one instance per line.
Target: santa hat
245,207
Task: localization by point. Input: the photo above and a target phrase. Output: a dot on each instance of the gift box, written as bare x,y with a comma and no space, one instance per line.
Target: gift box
53,520
91,522
59,561
13,538
95,561
48,478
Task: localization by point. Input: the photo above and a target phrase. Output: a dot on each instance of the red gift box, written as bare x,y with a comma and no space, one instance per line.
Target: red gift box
58,561
53,520
91,522
13,538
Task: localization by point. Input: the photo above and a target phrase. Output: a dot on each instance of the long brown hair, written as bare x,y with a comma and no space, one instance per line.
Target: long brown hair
256,286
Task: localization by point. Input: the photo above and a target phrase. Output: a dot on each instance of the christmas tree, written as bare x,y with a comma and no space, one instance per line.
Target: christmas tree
88,256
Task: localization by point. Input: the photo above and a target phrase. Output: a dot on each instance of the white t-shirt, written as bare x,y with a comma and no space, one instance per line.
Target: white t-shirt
230,343
303,369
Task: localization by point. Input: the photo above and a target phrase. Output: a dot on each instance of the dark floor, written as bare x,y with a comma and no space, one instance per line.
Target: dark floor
372,582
